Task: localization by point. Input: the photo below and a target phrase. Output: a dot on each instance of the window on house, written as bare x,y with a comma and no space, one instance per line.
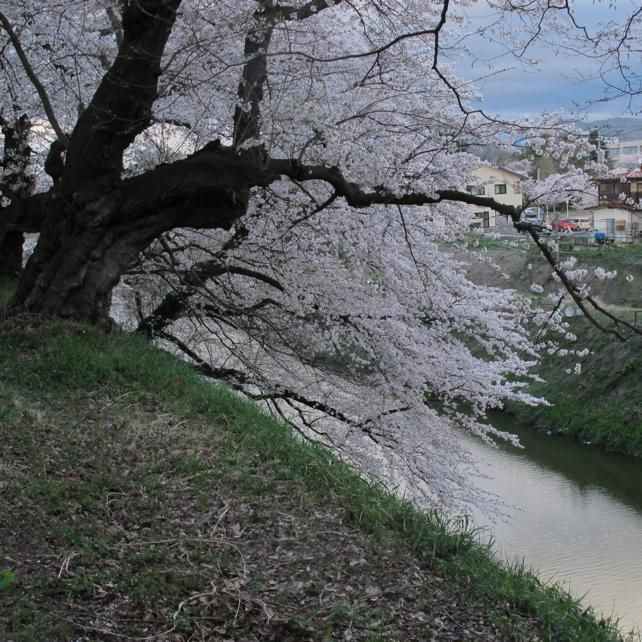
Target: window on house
481,218
611,190
613,152
478,190
500,188
632,149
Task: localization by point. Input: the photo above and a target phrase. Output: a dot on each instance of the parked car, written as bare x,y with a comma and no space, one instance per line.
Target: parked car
540,225
531,213
581,223
563,225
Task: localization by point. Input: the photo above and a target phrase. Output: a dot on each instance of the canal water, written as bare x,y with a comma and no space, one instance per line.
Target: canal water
579,517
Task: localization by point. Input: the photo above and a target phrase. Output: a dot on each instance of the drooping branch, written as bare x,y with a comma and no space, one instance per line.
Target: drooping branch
357,197
209,187
575,294
201,191
228,171
243,382
175,302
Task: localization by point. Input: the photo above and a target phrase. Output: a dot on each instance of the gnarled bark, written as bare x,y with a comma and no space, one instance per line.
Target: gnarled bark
85,241
86,244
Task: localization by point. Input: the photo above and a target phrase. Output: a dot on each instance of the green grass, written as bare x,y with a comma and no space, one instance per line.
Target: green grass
625,260
481,242
614,256
137,497
602,405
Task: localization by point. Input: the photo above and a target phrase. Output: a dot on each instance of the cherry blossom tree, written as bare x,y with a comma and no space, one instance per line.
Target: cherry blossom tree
278,190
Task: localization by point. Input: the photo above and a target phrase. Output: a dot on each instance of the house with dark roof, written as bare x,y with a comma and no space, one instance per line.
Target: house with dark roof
618,211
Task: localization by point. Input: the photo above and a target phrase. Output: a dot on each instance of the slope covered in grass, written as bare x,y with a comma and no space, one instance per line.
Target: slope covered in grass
602,405
140,502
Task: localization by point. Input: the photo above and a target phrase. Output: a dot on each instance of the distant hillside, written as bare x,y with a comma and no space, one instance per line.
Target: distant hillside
622,128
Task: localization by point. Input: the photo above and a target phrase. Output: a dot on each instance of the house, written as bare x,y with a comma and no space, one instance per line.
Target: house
504,185
618,211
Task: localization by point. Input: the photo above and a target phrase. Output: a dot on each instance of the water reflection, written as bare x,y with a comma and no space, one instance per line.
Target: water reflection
580,520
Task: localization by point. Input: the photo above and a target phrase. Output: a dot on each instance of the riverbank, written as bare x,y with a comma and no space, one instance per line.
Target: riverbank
140,502
579,518
602,405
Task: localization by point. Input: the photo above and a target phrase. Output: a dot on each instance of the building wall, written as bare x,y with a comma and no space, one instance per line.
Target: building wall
504,186
483,218
624,152
622,224
613,190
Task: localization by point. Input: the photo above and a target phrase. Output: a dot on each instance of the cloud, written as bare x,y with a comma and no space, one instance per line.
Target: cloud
557,78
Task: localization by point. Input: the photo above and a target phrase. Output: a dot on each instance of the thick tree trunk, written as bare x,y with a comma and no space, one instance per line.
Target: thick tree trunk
78,261
93,223
73,277
89,239
11,253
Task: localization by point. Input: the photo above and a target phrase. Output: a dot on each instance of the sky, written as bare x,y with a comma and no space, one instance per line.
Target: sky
558,80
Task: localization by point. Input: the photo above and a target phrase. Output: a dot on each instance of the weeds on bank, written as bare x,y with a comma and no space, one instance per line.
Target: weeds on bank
602,405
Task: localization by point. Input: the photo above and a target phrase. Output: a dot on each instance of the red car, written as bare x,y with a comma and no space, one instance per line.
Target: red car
562,226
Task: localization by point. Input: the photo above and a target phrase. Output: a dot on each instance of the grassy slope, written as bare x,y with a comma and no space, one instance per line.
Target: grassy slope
604,404
625,260
137,498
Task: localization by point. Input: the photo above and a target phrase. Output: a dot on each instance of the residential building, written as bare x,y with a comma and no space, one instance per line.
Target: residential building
618,211
504,185
623,152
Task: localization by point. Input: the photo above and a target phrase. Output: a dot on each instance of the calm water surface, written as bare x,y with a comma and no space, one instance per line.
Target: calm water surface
580,517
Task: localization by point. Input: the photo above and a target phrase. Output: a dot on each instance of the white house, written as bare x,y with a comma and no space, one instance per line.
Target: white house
618,211
504,185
